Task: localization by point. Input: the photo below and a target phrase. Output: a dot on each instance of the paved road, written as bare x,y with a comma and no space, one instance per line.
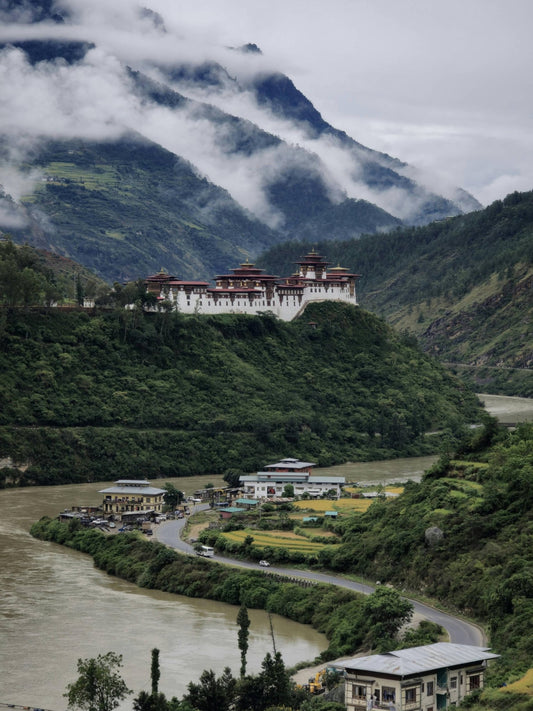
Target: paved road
460,631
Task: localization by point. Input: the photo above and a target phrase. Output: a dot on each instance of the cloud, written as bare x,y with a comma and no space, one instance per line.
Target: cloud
441,89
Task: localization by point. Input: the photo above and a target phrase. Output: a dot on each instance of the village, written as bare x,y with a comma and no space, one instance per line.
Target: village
426,678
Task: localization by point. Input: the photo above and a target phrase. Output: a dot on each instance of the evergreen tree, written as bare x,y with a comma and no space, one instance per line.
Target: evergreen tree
244,623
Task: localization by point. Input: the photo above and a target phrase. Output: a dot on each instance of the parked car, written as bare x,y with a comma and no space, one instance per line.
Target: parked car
111,524
264,563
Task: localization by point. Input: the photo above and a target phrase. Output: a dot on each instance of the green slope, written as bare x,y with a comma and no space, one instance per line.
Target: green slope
125,209
122,394
481,562
461,285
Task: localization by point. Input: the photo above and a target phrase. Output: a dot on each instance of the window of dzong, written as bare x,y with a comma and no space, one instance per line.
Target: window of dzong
453,682
429,688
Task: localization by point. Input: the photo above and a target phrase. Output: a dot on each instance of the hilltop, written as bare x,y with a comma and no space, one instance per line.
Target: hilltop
462,286
122,394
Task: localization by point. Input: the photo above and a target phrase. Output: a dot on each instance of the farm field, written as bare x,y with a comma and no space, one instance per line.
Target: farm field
276,539
343,505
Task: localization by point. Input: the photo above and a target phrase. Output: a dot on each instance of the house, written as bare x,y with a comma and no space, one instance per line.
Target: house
132,499
247,290
271,482
230,511
427,678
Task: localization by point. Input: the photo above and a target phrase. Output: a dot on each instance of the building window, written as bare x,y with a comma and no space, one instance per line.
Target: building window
474,682
358,692
453,682
410,695
388,694
429,688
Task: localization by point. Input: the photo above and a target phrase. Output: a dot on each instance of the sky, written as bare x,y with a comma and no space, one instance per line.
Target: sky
444,85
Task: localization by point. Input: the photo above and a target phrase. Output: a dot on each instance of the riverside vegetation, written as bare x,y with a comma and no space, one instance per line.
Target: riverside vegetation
463,536
89,396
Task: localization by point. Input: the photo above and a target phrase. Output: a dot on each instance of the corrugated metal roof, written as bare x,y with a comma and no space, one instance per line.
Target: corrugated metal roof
133,490
327,480
291,463
418,660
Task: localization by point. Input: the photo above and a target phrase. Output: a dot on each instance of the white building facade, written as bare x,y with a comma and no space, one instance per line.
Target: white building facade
271,482
247,290
428,678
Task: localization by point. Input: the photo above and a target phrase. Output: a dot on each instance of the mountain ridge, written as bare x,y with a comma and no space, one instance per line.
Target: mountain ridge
462,286
246,130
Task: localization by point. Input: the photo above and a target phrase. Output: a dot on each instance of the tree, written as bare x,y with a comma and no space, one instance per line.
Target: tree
99,687
288,491
244,624
155,671
173,496
386,611
232,478
212,694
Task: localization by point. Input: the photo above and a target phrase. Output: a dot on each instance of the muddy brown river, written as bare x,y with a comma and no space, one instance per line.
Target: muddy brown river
56,607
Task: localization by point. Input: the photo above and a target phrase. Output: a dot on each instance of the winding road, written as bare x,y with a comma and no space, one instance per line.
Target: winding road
460,631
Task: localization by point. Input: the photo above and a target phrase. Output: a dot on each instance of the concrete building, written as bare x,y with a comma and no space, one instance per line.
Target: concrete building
247,290
132,499
427,678
271,482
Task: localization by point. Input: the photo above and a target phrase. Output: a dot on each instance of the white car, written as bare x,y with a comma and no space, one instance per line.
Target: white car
264,563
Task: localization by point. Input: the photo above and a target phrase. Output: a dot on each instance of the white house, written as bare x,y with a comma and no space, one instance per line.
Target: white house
247,290
428,678
271,482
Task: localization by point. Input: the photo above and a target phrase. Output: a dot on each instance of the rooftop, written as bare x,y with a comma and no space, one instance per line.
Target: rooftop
419,660
290,463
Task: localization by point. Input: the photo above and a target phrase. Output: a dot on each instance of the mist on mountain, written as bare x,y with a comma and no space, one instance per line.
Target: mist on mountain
74,71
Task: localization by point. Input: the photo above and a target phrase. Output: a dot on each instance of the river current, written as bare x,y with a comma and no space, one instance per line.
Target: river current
56,607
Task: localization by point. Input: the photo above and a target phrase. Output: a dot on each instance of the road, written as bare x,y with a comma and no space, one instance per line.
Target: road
460,631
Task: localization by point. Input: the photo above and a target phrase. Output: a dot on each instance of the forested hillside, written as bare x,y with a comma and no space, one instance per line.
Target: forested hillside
463,286
117,394
463,536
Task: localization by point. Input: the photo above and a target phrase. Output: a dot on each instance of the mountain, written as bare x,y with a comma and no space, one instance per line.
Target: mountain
462,285
126,157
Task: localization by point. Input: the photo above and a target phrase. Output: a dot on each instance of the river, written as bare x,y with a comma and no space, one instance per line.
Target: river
56,607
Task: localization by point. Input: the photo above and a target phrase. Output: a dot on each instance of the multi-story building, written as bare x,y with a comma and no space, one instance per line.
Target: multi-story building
247,290
132,499
270,483
428,678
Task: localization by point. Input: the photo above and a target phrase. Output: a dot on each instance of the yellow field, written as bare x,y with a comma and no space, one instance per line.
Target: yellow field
522,686
275,539
342,505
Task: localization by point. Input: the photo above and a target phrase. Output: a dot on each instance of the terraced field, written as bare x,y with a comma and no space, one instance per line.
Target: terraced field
276,539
